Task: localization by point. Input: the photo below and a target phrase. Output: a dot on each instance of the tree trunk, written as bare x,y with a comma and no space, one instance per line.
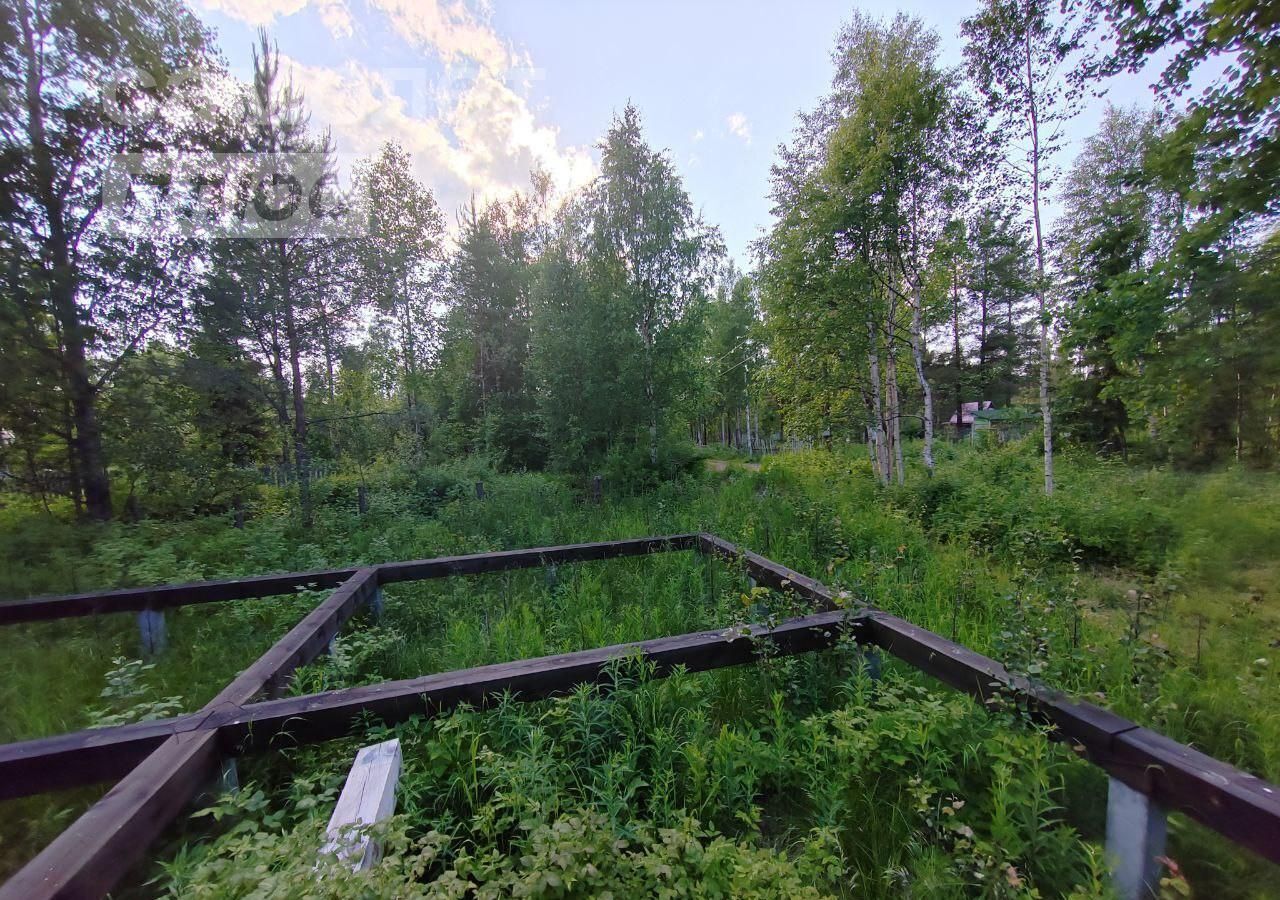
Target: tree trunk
410,353
81,391
895,406
982,333
955,345
1046,408
300,454
650,389
93,465
876,431
73,464
917,352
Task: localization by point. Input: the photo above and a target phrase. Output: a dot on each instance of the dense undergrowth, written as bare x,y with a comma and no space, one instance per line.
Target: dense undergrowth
1149,591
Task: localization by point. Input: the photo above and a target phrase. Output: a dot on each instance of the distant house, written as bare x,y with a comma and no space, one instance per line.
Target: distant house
1007,424
982,416
961,423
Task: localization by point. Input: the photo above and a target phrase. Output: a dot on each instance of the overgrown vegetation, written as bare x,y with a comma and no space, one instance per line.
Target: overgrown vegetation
198,380
1147,591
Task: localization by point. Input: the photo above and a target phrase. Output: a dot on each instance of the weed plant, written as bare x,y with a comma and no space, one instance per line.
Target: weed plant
1148,591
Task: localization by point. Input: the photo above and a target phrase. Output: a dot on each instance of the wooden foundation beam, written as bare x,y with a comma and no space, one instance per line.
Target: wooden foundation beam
176,757
90,856
42,609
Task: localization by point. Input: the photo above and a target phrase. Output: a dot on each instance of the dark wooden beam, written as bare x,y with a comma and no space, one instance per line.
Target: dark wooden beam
97,849
768,573
304,642
319,717
1234,803
984,678
184,751
92,854
40,609
76,759
103,754
480,563
1237,805
43,609
83,757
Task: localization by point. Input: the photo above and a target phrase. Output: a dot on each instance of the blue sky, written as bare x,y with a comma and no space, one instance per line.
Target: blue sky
479,93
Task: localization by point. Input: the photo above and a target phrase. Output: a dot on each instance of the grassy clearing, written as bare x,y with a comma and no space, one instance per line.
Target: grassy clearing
1152,592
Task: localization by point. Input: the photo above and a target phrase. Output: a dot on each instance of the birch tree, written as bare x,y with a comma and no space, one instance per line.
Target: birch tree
402,260
898,159
1015,54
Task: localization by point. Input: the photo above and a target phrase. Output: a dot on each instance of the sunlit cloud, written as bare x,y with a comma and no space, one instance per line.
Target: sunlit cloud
334,14
483,144
739,127
477,137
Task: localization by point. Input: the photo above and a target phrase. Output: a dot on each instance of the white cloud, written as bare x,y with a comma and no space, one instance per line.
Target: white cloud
484,142
698,135
450,28
337,18
481,137
739,126
333,13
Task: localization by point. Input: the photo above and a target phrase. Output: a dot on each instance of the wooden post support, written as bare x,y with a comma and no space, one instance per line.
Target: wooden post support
1135,840
152,632
376,607
479,490
368,797
597,489
552,578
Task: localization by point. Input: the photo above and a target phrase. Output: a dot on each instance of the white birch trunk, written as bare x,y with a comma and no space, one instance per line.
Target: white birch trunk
917,352
1046,408
877,411
895,407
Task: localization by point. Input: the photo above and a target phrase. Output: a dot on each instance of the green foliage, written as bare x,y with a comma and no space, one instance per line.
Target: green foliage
841,783
598,793
617,308
575,856
628,467
123,697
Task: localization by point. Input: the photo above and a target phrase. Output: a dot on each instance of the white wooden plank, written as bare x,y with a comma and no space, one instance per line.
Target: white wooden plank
368,797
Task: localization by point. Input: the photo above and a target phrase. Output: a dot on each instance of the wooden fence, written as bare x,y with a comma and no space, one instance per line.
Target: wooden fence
163,765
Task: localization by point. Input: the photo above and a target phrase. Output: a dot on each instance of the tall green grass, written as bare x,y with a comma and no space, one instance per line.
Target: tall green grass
1149,591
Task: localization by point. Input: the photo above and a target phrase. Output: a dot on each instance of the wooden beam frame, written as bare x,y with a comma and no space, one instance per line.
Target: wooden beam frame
91,855
163,764
43,609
